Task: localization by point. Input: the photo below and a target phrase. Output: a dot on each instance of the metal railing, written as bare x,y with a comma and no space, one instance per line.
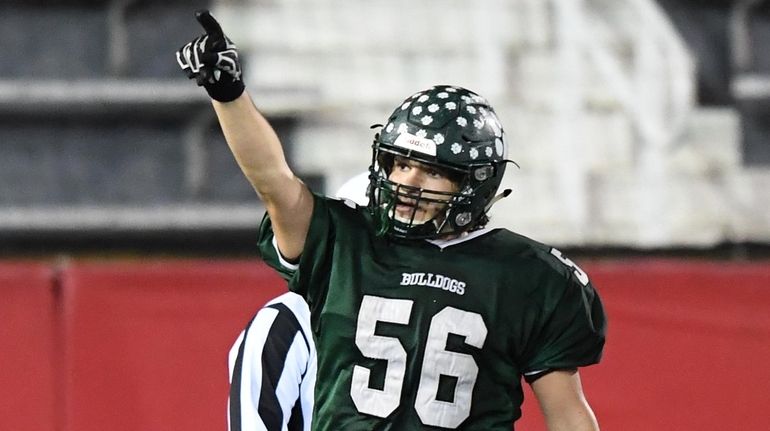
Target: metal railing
645,63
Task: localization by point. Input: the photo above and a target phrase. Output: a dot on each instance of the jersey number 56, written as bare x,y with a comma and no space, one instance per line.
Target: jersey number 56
438,361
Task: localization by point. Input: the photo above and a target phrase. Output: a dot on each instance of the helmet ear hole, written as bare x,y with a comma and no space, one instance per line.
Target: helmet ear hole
483,173
463,219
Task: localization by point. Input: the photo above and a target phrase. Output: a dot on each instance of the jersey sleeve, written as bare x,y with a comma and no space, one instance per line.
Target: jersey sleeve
268,250
570,328
309,276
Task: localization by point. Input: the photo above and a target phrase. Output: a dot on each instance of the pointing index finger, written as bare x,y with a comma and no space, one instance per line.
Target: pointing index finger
209,24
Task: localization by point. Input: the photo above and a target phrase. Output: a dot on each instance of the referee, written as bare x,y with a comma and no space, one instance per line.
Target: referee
273,369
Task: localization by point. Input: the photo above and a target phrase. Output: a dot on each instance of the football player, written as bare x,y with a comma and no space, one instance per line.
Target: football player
423,318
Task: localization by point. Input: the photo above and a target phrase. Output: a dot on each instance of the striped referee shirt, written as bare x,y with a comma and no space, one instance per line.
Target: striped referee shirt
273,369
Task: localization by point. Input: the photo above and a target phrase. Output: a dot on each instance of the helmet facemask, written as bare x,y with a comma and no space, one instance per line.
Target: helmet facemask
408,211
461,209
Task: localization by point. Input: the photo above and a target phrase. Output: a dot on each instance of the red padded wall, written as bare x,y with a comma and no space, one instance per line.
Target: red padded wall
129,346
146,344
688,347
28,383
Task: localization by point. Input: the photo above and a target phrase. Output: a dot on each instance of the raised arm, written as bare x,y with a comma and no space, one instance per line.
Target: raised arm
258,152
212,60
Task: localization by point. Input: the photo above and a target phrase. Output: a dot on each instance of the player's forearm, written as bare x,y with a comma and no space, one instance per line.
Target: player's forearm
573,414
561,399
581,419
256,148
212,60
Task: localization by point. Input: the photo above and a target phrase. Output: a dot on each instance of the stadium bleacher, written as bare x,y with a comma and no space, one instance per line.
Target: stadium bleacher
626,138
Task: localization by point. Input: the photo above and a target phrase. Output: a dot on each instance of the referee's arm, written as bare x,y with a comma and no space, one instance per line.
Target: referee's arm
272,369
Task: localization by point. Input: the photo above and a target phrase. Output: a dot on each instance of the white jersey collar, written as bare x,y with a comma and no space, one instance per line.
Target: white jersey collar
444,243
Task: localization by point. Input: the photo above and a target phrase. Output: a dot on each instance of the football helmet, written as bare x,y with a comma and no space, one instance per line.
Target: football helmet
455,131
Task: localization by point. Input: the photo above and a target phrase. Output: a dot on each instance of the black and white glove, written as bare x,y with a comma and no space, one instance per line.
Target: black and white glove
212,60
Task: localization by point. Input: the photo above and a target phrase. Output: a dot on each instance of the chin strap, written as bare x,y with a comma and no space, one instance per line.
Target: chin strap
494,200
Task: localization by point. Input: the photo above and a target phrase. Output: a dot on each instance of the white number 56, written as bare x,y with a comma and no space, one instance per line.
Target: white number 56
438,361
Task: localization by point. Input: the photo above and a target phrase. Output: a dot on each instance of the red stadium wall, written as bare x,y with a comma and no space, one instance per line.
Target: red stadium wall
29,389
147,344
688,347
143,346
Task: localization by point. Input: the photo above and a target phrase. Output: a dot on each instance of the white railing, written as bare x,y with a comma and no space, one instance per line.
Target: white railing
629,51
644,61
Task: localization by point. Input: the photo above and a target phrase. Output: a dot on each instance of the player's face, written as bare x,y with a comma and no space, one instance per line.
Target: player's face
415,174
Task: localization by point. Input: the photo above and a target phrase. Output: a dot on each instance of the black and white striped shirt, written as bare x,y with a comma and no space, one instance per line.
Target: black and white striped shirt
273,369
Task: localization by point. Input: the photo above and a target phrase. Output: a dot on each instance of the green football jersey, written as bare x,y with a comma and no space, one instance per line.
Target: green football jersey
434,335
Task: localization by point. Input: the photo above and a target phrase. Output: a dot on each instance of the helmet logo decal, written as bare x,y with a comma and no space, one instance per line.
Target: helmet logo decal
416,143
496,128
499,147
474,153
457,148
